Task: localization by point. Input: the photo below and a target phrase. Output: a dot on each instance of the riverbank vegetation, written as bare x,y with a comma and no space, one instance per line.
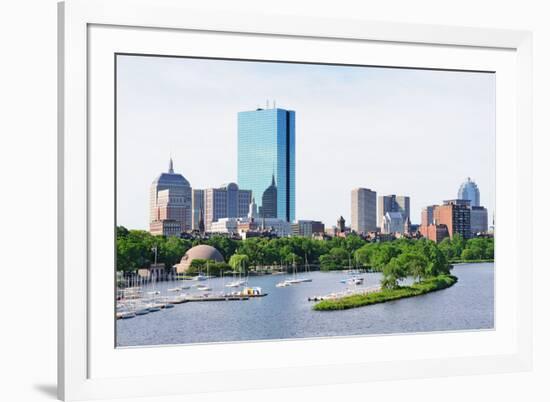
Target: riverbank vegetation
359,300
135,250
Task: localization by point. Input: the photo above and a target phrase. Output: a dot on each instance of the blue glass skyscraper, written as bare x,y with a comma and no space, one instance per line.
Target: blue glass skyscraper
266,152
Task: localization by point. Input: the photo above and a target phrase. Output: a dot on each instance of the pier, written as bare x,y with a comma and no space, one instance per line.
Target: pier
349,292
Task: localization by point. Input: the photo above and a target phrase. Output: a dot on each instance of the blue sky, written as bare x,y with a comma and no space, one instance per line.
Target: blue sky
397,131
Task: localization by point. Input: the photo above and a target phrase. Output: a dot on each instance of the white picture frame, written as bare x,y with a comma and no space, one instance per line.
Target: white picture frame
89,365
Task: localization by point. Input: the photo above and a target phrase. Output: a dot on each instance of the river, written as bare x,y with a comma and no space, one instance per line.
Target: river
287,313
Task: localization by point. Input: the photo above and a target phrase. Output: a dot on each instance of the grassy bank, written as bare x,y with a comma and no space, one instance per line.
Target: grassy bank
429,285
455,261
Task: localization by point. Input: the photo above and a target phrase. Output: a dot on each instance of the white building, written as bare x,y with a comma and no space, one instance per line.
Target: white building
393,223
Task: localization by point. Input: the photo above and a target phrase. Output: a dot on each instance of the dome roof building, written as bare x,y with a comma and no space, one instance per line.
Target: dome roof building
469,191
200,252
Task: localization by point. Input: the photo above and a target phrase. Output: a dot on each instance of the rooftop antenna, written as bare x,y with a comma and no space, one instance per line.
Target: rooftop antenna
171,165
274,105
267,104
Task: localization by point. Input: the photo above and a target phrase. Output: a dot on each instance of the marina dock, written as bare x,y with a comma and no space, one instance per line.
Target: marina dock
349,292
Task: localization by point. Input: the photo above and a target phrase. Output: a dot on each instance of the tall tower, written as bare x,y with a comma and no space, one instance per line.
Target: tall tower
269,201
266,154
469,191
170,204
363,210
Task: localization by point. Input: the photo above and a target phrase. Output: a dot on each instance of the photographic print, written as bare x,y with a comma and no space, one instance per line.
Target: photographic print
269,200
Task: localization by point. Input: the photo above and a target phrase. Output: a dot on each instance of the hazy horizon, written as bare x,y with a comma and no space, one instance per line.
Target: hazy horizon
409,132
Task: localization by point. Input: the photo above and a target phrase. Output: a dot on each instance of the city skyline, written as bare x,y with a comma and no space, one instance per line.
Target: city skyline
393,175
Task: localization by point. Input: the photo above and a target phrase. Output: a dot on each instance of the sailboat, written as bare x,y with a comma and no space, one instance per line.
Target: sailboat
297,280
355,279
236,283
205,287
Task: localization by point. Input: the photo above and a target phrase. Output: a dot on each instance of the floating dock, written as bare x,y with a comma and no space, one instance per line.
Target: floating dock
339,295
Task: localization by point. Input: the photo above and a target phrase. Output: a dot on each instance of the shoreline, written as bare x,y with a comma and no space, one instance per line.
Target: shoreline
348,302
460,262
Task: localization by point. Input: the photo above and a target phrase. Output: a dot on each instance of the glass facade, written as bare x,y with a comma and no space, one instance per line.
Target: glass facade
266,149
469,191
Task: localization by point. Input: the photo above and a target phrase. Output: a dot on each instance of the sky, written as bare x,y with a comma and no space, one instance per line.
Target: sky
410,132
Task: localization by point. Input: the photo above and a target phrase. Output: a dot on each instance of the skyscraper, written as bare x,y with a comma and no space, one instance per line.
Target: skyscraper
393,203
266,155
226,201
198,207
479,220
170,204
469,191
269,201
363,210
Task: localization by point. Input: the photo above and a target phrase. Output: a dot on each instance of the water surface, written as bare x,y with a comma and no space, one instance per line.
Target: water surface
287,313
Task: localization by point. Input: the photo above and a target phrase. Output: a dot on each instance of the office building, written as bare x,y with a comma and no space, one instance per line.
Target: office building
427,217
393,203
393,223
363,210
479,220
197,201
268,208
170,204
434,232
266,159
307,228
469,191
226,201
455,215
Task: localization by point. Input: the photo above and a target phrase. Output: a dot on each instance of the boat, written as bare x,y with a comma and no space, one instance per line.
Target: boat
203,287
235,284
283,284
295,280
250,291
142,311
200,277
154,308
125,315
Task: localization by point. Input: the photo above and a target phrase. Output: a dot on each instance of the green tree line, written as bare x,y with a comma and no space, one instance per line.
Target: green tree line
135,250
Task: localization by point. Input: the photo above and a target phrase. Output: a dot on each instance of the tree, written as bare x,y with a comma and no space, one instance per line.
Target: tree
337,258
239,262
383,254
414,264
393,272
364,254
353,243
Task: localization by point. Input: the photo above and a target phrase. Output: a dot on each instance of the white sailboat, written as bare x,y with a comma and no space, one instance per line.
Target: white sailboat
237,283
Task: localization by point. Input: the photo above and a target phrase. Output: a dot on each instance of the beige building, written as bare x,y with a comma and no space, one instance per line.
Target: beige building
363,210
170,204
226,201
